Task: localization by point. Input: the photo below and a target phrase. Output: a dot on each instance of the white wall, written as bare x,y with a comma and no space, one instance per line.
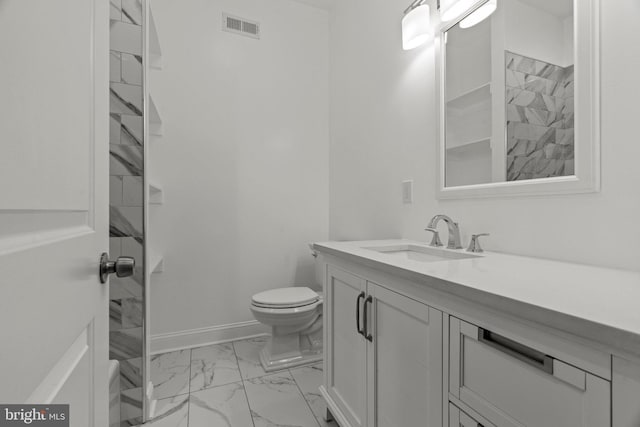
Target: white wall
383,131
568,29
532,32
243,160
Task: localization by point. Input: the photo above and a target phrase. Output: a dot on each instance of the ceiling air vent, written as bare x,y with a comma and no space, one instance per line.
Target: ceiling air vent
234,24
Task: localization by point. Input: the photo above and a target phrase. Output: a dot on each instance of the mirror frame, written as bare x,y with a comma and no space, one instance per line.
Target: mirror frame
587,113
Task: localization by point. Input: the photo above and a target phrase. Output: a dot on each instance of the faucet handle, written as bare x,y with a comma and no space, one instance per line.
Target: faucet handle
474,244
435,240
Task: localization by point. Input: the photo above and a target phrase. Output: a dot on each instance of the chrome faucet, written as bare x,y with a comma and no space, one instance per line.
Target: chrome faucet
454,230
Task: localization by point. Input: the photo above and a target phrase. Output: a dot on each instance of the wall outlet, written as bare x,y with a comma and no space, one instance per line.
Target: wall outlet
407,191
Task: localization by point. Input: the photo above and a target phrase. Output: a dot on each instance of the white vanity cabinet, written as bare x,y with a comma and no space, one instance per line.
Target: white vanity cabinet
383,364
409,346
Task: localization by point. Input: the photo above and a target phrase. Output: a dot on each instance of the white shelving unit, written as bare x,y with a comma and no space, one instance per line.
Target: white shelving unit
156,263
471,147
473,96
155,53
156,194
468,138
468,106
469,118
155,121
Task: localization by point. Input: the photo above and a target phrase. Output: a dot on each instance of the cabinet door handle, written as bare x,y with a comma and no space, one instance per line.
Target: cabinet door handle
360,331
367,335
515,349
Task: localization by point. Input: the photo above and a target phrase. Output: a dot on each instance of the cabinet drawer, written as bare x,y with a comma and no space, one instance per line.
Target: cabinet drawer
511,384
459,418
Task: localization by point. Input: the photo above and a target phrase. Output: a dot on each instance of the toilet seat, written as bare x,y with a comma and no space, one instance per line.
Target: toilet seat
284,298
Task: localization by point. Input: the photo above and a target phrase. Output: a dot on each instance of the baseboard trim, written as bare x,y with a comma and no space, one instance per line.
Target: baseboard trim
180,340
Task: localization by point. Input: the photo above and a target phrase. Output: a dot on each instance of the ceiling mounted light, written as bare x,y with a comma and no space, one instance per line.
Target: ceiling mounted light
415,25
480,14
451,9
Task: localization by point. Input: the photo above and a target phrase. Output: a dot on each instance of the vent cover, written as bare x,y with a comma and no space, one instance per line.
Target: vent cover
234,24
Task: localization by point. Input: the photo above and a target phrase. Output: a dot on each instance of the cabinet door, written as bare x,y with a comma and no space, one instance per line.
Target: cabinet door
626,393
512,384
404,361
345,347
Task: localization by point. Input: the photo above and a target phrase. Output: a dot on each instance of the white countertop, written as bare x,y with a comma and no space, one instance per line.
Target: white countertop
601,304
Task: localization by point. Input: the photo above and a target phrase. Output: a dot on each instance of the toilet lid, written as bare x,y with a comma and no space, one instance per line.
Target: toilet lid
285,297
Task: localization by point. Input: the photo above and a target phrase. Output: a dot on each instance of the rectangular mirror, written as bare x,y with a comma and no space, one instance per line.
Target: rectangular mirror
518,100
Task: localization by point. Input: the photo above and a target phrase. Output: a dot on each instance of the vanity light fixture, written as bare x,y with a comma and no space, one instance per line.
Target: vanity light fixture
480,14
451,9
416,28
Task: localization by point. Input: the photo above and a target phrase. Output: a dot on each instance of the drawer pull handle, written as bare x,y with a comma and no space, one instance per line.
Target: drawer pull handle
360,331
367,335
519,351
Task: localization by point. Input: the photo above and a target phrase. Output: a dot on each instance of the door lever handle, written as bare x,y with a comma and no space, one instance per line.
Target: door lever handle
122,267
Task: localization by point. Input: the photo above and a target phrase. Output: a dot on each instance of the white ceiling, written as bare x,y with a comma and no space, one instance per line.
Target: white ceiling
322,4
560,8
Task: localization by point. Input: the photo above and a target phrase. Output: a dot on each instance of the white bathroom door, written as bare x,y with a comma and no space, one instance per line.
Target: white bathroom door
54,205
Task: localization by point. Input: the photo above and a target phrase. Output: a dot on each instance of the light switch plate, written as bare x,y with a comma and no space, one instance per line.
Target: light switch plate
407,191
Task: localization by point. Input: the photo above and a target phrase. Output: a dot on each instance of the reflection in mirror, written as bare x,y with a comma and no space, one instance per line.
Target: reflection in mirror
509,80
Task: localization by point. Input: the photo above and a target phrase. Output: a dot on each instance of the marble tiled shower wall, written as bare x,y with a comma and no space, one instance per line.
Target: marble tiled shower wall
540,110
126,211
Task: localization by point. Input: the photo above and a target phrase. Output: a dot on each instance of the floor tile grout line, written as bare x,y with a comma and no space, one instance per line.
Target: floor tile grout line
304,397
244,388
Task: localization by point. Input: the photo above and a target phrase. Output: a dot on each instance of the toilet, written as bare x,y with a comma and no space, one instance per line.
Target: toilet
295,317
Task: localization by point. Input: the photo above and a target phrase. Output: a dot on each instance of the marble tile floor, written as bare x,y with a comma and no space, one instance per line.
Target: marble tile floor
224,385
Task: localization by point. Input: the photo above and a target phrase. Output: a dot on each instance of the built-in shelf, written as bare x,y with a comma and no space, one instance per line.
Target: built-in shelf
155,53
156,262
156,194
471,97
155,121
471,147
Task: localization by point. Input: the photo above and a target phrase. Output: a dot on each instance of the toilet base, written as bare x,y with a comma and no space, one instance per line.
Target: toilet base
289,350
303,358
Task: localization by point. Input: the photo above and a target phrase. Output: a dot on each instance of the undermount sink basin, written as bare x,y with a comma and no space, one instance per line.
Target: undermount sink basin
420,253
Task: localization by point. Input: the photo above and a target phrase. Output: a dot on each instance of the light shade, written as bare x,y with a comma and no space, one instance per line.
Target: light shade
480,14
415,27
451,9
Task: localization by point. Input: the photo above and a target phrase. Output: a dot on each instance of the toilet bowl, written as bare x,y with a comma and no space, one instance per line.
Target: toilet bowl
295,317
